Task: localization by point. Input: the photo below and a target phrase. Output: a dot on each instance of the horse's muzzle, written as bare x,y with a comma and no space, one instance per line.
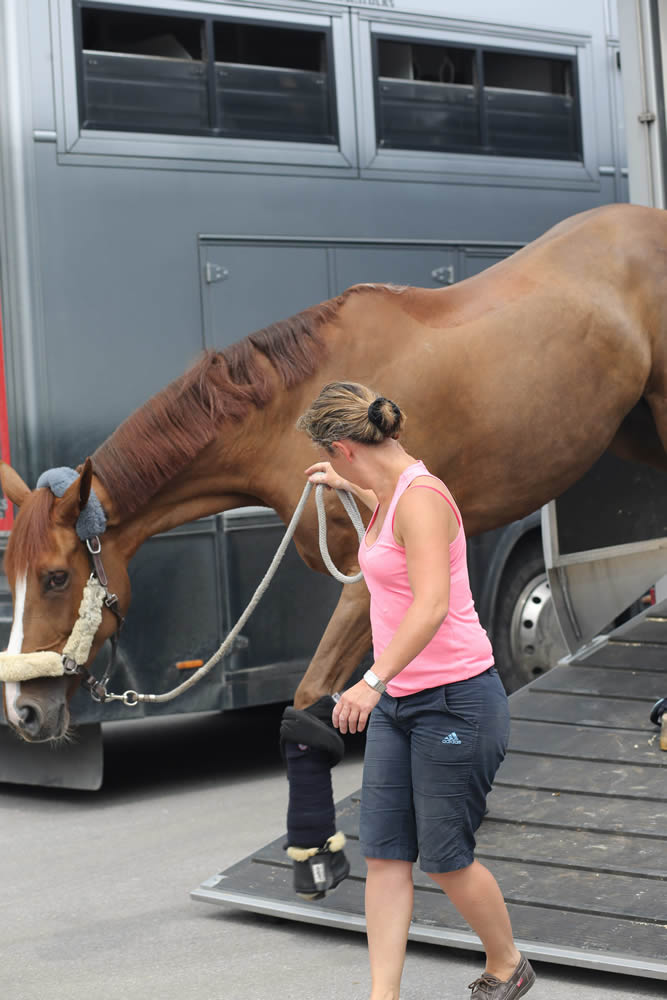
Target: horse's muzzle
37,711
38,723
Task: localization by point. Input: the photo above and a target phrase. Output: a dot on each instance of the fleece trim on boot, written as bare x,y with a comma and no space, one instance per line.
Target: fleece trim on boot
333,844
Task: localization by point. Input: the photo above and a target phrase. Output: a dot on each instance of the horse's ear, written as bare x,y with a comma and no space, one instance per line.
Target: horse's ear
75,497
12,485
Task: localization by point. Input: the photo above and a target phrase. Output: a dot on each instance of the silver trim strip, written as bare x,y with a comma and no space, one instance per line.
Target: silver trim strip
307,913
358,241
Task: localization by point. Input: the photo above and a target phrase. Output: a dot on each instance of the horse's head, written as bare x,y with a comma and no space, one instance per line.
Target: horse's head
48,565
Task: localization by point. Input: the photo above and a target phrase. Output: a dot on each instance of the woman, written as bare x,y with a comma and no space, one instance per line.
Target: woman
440,721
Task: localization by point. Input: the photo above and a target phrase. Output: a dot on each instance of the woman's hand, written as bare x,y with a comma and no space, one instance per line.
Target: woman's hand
350,714
322,474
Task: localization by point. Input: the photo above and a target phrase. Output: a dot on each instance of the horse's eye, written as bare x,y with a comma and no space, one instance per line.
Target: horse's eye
58,580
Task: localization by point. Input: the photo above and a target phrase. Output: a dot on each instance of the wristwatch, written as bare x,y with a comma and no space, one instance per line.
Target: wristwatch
374,681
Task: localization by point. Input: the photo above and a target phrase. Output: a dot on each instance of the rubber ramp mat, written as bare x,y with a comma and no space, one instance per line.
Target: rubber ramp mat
576,830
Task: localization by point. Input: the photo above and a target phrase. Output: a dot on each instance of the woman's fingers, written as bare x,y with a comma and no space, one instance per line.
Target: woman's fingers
340,715
352,710
322,473
349,717
346,720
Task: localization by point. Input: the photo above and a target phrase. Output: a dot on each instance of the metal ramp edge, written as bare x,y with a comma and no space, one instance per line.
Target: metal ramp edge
576,831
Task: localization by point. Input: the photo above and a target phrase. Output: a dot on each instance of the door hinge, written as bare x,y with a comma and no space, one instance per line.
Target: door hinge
646,117
215,272
444,275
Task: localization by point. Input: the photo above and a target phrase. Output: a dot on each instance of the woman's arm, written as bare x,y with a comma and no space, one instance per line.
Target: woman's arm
424,523
322,473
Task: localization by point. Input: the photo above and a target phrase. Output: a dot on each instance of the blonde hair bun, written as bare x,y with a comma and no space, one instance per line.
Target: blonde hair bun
349,410
384,414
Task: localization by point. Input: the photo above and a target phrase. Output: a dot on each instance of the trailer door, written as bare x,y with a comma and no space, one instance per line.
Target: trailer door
247,286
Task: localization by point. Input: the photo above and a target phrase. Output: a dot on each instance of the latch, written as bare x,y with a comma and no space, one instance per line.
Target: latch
444,275
215,272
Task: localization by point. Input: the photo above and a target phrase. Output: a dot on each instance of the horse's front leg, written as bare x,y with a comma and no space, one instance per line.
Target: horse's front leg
311,747
344,644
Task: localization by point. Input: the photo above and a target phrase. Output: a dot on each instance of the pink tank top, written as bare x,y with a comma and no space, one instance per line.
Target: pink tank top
460,648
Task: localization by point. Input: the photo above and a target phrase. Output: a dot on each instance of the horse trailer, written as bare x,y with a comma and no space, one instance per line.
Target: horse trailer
175,174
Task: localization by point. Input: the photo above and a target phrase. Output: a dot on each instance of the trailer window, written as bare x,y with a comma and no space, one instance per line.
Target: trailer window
530,106
432,96
273,82
428,97
142,71
164,72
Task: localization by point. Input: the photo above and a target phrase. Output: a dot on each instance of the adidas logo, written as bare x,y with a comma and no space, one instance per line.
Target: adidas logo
452,738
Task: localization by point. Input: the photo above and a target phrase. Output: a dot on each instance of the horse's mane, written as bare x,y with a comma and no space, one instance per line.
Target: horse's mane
163,436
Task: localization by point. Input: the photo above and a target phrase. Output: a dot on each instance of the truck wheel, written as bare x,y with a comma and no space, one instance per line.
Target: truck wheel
526,638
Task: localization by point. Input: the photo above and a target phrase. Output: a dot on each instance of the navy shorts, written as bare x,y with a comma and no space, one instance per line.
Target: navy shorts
430,760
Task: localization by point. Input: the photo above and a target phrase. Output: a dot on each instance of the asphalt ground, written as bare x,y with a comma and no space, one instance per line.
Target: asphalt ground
95,904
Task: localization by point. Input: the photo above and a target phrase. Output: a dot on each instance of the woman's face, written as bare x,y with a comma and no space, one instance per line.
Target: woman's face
343,466
337,458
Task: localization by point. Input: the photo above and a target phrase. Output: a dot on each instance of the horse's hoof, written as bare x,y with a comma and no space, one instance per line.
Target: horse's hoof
320,873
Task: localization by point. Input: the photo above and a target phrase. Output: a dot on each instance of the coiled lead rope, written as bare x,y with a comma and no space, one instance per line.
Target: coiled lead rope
131,698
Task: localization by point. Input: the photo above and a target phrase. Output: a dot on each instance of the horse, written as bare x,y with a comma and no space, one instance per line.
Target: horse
566,338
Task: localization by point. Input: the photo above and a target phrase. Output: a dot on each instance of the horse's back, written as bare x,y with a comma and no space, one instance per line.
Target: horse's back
580,251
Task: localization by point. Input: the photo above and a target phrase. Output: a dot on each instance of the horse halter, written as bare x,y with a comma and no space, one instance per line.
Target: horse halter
18,667
97,689
91,523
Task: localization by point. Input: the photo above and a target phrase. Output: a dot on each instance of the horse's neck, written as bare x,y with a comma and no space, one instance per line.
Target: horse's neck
239,468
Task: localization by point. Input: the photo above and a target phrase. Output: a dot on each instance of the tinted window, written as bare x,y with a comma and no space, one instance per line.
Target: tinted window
164,72
142,71
273,82
467,99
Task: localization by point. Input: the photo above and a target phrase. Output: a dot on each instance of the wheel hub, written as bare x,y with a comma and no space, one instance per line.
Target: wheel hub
535,636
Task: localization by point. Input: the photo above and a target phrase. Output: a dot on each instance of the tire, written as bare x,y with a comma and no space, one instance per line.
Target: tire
527,640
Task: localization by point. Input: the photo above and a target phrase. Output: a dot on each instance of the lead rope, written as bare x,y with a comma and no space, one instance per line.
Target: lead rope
133,698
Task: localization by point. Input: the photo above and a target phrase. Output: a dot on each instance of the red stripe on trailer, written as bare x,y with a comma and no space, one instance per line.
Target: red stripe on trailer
8,519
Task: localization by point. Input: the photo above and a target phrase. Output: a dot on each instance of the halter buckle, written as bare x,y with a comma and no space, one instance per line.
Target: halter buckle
94,545
70,666
97,691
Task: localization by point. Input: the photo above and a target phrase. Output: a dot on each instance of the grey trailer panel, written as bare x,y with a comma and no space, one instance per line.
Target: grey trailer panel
291,278
78,764
428,268
576,831
291,618
474,260
605,541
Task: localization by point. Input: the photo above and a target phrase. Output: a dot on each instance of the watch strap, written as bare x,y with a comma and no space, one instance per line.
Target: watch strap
374,681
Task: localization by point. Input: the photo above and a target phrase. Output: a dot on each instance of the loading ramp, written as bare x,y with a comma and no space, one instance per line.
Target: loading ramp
576,830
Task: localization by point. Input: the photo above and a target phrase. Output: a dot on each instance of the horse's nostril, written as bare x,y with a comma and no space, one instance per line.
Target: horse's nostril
30,719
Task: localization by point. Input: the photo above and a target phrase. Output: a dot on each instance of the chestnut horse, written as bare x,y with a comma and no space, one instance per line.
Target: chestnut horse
566,339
